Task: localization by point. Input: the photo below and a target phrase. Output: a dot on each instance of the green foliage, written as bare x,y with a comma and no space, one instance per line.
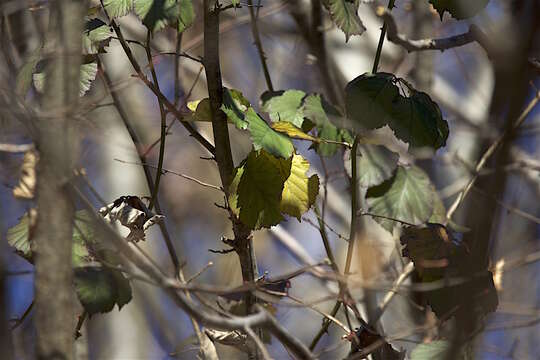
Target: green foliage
374,100
344,13
407,196
117,8
284,106
96,36
260,185
264,137
325,117
459,9
265,187
99,289
235,106
375,164
201,110
88,74
155,14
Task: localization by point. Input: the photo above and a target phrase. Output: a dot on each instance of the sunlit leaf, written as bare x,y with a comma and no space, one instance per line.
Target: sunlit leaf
459,9
374,101
117,8
235,106
87,76
299,191
292,131
375,164
201,110
344,13
264,137
259,189
284,106
407,196
27,180
186,16
96,36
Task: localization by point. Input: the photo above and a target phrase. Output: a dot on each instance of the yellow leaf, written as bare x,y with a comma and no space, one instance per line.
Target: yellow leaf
299,191
292,131
27,181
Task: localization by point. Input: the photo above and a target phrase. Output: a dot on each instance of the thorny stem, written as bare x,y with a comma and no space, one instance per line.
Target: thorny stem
163,116
381,41
258,44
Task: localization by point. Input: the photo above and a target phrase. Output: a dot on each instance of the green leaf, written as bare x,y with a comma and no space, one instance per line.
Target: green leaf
375,164
407,196
87,76
201,110
157,14
264,137
374,101
344,13
260,188
117,8
24,77
96,36
99,289
439,211
299,191
433,351
186,16
325,117
284,106
83,236
459,9
17,237
235,106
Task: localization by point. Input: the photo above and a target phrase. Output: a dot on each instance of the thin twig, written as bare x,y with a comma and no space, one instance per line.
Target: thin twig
258,44
487,154
257,340
381,41
167,171
163,116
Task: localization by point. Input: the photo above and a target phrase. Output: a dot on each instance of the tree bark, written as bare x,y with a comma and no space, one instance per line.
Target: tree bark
56,143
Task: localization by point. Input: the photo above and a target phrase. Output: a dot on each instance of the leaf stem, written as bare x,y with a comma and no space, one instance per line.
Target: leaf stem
381,40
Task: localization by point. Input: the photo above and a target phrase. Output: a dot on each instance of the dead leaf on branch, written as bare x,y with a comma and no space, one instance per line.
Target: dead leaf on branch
132,213
27,180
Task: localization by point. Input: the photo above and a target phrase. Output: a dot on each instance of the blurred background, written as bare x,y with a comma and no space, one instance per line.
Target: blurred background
460,80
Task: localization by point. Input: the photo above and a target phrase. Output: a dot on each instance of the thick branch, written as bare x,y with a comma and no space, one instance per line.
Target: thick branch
56,144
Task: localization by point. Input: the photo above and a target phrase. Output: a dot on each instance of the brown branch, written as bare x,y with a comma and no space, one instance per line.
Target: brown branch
259,319
258,44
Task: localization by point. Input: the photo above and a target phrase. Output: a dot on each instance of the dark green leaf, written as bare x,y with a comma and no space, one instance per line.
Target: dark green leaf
375,164
264,137
374,101
459,9
344,13
17,237
157,14
99,289
407,196
284,106
259,189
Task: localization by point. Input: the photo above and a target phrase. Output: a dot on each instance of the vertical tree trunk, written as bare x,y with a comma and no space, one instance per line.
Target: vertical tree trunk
57,147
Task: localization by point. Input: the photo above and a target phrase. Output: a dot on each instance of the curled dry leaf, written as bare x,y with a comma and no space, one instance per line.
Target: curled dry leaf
27,180
132,213
231,338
